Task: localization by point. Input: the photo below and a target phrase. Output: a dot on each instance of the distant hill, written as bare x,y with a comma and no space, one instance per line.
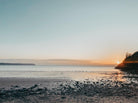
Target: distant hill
16,64
130,62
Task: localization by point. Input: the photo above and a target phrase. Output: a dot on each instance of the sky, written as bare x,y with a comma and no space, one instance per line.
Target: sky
98,30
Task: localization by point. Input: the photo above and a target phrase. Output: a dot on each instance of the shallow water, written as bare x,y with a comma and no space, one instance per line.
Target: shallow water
79,73
68,72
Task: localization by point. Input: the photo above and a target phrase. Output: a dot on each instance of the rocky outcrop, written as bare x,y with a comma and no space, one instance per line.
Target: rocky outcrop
129,63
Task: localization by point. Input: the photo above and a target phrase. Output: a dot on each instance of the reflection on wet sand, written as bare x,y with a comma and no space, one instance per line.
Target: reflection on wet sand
119,77
95,76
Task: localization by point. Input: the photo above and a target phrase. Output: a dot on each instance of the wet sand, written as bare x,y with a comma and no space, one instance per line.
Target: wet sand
42,90
7,83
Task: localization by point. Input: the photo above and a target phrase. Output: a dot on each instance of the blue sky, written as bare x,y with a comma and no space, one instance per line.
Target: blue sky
68,29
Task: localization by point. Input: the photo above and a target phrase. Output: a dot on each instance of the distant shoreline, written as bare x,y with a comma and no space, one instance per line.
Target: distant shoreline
16,64
54,65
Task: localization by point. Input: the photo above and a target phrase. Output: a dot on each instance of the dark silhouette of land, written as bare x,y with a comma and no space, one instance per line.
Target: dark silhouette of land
129,63
16,64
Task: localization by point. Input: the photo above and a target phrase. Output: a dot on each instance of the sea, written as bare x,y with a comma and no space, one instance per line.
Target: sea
79,73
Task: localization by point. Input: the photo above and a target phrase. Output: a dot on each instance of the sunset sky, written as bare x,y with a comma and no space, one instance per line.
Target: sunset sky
95,30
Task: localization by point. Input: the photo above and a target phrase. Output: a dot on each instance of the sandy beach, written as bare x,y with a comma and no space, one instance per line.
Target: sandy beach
40,90
7,83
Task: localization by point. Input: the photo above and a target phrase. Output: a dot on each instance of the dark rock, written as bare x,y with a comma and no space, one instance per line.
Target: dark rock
130,63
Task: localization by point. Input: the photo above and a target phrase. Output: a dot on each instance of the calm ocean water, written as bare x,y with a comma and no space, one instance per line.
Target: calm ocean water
62,72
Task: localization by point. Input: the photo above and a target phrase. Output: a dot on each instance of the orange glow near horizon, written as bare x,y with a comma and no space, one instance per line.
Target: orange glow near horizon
110,60
118,62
